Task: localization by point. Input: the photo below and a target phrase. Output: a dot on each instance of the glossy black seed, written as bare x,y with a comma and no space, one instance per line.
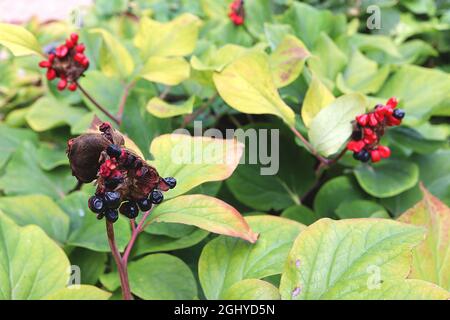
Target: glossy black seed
364,156
112,183
357,135
171,182
356,156
129,209
144,204
112,199
96,204
100,216
399,114
114,151
129,162
156,197
111,215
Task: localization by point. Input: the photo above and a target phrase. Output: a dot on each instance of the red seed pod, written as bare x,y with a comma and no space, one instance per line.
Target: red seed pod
362,119
392,103
372,120
79,57
51,74
45,64
74,38
80,48
72,87
385,152
356,146
69,43
62,84
51,57
375,155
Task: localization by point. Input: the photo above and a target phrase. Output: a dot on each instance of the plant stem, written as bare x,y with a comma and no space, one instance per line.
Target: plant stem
106,112
199,111
134,236
323,161
121,267
123,99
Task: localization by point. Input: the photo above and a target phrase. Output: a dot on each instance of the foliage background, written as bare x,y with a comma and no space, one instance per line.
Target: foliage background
408,58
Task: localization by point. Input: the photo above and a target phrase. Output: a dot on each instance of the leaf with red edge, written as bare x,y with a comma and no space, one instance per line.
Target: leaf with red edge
431,259
204,212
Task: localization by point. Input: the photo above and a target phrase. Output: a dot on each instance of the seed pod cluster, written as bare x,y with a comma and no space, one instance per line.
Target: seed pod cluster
368,128
126,183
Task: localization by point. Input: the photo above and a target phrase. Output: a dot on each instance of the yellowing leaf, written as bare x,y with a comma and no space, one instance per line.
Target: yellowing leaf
161,109
431,259
114,57
174,38
317,97
218,59
194,160
205,212
81,292
169,71
333,259
252,289
287,60
247,85
331,127
19,40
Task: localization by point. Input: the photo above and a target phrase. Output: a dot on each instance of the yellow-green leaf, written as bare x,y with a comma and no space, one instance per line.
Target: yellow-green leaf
19,40
216,60
431,259
114,57
161,109
169,71
332,259
80,292
174,38
247,85
287,60
317,97
205,212
194,160
331,127
252,289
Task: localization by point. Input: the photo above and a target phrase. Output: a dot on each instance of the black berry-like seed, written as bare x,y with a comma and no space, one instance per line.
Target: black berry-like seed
96,204
171,182
399,114
100,216
111,215
156,197
112,183
356,155
364,156
357,135
112,199
144,204
114,151
129,209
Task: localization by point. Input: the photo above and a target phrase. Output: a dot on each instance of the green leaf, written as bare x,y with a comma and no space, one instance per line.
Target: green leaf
51,156
369,81
402,290
360,209
79,292
88,232
108,91
19,40
48,113
435,173
162,277
275,33
331,127
431,259
410,84
149,243
333,193
247,85
252,289
317,98
161,109
387,178
300,213
204,212
168,71
415,141
175,38
114,57
370,42
327,60
11,140
216,60
32,265
23,211
331,259
92,264
225,261
287,60
24,176
194,160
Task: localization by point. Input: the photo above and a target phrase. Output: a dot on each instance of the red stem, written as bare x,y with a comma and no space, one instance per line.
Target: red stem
311,149
134,236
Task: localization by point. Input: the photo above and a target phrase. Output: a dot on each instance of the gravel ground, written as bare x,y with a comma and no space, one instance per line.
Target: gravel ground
17,11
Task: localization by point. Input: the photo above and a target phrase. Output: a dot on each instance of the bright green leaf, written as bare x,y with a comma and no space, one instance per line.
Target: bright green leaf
252,289
19,40
79,292
161,109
